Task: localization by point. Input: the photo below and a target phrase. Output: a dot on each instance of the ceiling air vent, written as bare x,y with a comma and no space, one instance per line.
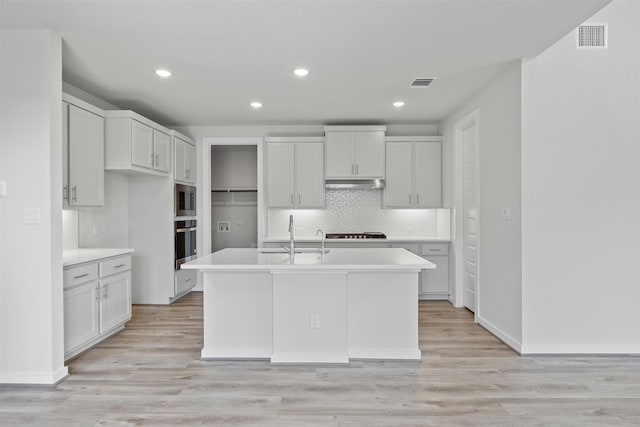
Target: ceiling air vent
592,35
422,82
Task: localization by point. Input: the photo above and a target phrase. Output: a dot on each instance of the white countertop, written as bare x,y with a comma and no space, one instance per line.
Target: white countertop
383,259
389,239
78,256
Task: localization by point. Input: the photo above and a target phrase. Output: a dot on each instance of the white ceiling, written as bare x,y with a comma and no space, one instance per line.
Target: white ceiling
362,55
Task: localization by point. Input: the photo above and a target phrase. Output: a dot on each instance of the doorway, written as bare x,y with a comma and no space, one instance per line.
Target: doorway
207,197
234,201
468,217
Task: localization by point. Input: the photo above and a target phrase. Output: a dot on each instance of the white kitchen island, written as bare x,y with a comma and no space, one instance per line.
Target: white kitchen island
351,303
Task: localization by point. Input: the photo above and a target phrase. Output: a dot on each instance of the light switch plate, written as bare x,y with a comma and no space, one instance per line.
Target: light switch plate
505,213
32,215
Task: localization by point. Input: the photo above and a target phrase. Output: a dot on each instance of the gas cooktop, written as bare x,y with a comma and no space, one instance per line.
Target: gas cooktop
366,235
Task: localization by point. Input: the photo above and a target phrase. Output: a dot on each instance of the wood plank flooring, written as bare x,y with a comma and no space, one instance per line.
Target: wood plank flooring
151,374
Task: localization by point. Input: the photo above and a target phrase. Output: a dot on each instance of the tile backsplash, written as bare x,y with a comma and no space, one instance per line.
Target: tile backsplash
69,230
354,211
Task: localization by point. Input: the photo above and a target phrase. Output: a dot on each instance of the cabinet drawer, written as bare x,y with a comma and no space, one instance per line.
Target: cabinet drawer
76,275
115,265
434,249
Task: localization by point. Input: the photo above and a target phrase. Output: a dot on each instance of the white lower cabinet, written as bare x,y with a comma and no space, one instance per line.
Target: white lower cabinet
95,308
185,280
434,284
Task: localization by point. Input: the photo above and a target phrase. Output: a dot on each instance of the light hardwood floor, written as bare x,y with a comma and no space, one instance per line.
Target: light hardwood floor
151,374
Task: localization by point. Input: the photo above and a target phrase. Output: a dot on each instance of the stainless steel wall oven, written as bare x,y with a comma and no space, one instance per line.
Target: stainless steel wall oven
185,246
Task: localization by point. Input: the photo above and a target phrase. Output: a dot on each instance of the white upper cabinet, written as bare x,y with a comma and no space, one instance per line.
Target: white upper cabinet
185,158
413,172
83,153
355,152
295,172
135,144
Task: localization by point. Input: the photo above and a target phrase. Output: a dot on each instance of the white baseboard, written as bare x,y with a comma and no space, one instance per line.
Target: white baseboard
593,349
309,358
374,353
236,353
500,334
33,378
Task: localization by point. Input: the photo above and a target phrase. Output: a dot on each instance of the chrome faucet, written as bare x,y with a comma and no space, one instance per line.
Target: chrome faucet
321,232
291,244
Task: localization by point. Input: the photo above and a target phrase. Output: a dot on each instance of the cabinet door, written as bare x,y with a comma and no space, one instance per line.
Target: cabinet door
398,191
161,151
309,170
184,280
81,315
369,154
86,157
340,153
141,145
436,281
280,174
65,155
190,163
428,174
179,160
115,301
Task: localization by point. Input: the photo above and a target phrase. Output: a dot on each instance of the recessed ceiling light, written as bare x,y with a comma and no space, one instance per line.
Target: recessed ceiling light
398,104
300,72
163,73
256,104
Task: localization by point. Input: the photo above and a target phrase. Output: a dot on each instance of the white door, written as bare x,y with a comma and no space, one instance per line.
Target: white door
339,159
309,174
369,154
470,216
179,160
115,302
141,145
427,168
161,151
280,174
81,315
190,162
398,190
86,157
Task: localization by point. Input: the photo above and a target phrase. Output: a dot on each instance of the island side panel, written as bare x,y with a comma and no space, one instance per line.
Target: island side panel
237,315
383,315
310,317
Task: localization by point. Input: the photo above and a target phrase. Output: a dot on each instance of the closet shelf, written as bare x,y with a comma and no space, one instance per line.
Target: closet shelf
233,190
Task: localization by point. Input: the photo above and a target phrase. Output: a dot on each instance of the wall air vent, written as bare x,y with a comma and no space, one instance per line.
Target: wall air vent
592,36
422,82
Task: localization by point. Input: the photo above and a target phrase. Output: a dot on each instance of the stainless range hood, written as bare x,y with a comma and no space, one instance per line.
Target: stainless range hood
351,184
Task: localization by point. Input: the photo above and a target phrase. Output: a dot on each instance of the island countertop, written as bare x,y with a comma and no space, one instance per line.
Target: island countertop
336,259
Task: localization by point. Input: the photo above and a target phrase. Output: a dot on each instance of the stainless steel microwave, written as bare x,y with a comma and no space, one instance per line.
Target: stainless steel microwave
185,200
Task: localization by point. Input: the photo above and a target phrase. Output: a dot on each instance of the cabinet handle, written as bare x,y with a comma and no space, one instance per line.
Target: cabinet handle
157,159
186,173
353,169
74,193
299,199
409,198
417,198
65,193
119,265
357,169
98,293
291,199
105,292
81,276
188,280
152,161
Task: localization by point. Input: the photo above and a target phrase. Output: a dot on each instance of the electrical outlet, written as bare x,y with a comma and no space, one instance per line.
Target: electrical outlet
224,227
314,321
